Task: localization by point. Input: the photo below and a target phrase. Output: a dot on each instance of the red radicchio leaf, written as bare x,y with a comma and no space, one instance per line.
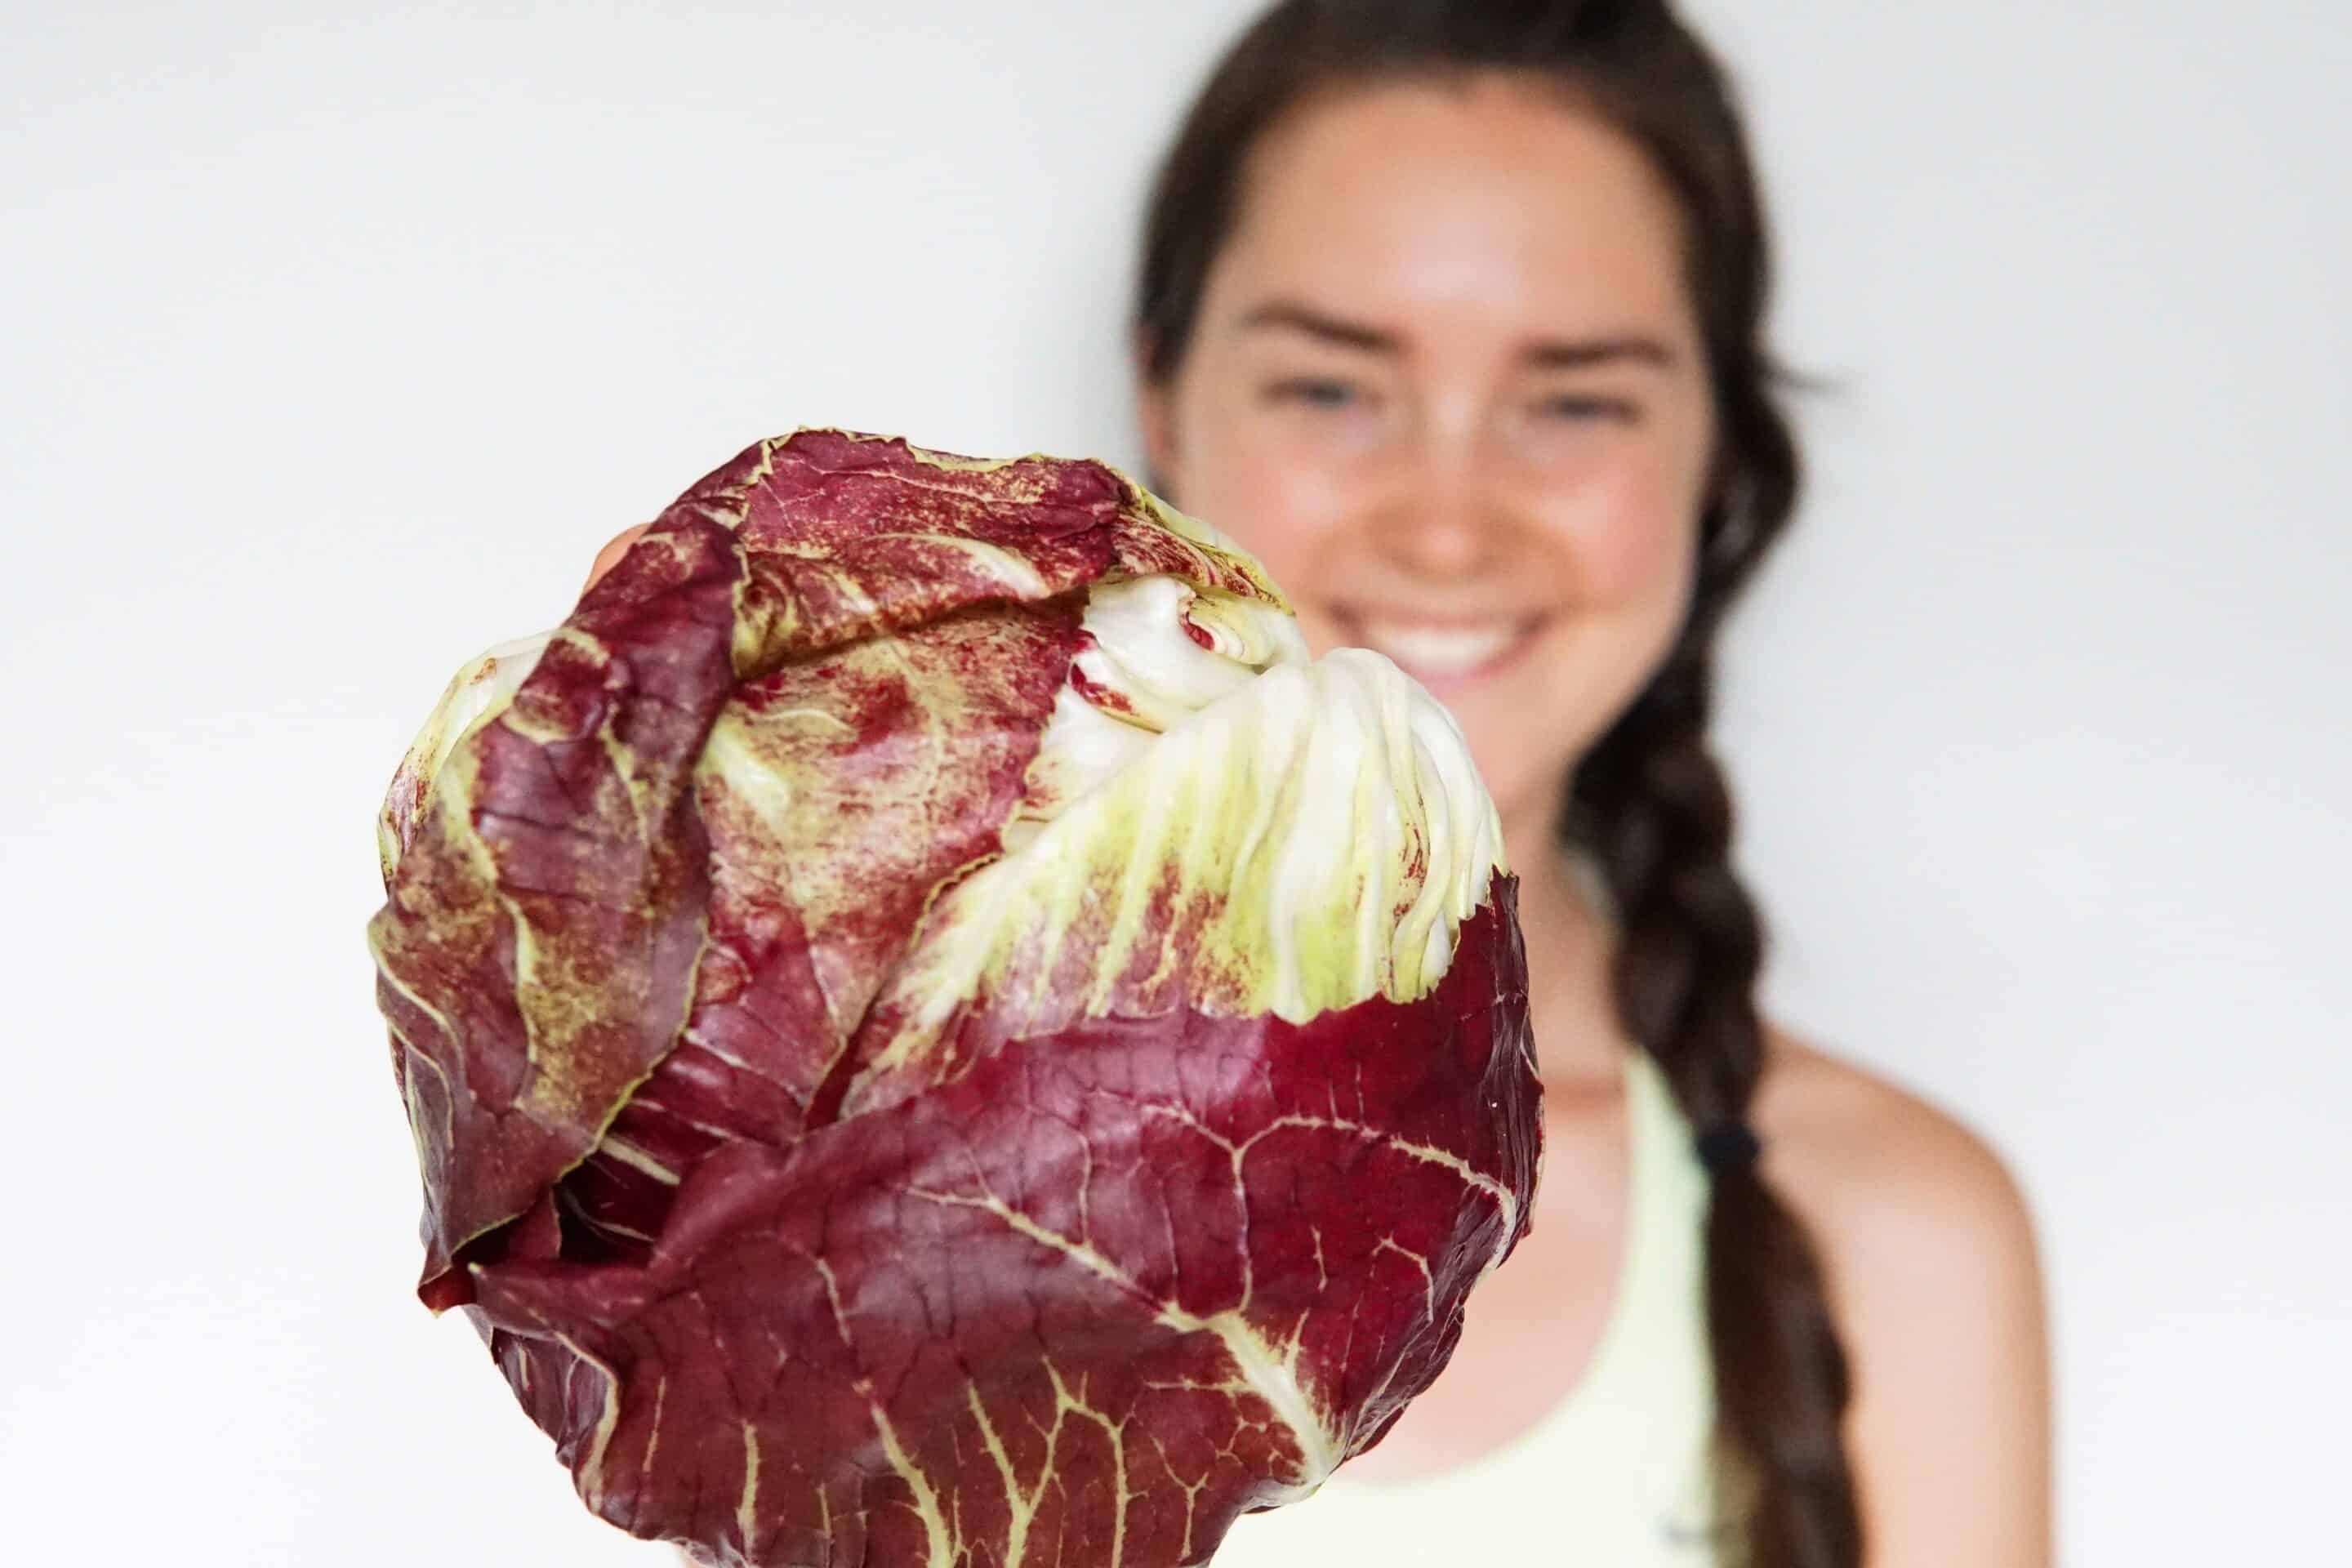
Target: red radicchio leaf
799,1269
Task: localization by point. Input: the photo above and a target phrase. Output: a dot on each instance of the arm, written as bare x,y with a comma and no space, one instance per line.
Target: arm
1935,1281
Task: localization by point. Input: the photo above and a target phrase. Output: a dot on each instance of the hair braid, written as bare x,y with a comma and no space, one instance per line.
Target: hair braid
1652,805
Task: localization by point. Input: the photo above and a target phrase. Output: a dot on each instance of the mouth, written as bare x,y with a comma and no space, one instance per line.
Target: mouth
1443,653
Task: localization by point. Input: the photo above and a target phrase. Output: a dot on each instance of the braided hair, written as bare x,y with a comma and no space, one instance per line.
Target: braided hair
1648,803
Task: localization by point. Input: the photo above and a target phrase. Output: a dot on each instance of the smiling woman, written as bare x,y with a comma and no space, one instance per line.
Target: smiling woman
1454,312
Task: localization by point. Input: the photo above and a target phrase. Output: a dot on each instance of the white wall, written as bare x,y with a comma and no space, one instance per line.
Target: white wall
2043,722
332,347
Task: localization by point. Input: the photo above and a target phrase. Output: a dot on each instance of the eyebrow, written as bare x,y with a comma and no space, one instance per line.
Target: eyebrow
1298,318
1558,355
1543,353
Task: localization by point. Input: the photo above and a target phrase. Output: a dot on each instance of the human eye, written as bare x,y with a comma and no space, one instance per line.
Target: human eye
1581,407
1328,393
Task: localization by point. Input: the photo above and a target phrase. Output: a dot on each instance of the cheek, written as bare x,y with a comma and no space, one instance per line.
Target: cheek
1236,475
1631,540
1623,543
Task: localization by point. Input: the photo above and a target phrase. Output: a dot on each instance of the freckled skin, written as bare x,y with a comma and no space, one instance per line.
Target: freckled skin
1447,475
1117,1279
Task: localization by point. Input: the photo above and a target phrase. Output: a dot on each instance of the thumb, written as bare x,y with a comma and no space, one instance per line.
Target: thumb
609,557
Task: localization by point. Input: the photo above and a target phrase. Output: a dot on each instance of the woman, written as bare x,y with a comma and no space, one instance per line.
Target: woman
1452,313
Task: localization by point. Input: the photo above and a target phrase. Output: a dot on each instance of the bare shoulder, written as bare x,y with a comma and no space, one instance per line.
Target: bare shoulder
1882,1178
1935,1283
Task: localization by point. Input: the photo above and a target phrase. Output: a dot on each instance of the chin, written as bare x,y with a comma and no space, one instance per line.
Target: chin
1525,790
1527,707
1526,767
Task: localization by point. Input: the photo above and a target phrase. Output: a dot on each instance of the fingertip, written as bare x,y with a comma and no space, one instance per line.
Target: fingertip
609,557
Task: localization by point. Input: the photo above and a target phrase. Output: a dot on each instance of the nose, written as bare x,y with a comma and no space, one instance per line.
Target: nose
1442,518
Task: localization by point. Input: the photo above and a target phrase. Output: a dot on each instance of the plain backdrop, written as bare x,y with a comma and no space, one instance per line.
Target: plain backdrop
335,338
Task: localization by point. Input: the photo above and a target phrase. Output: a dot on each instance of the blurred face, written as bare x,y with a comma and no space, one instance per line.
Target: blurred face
1446,383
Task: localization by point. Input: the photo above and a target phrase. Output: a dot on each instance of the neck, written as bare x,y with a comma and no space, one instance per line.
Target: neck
1570,997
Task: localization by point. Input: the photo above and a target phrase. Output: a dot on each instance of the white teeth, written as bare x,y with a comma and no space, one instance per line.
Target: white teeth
1441,650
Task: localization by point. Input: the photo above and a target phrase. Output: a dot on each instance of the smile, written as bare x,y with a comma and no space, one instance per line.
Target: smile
1448,654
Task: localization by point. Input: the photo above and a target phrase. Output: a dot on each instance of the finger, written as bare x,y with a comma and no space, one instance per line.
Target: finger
609,557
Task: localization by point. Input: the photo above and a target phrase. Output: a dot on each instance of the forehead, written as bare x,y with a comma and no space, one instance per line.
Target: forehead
1453,204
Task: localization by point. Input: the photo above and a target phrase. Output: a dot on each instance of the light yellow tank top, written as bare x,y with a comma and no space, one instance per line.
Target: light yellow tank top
1617,1474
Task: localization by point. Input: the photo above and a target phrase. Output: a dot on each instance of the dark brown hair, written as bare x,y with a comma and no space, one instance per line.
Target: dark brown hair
1649,801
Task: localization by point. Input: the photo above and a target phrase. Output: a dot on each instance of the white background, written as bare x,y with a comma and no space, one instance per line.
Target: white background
335,338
